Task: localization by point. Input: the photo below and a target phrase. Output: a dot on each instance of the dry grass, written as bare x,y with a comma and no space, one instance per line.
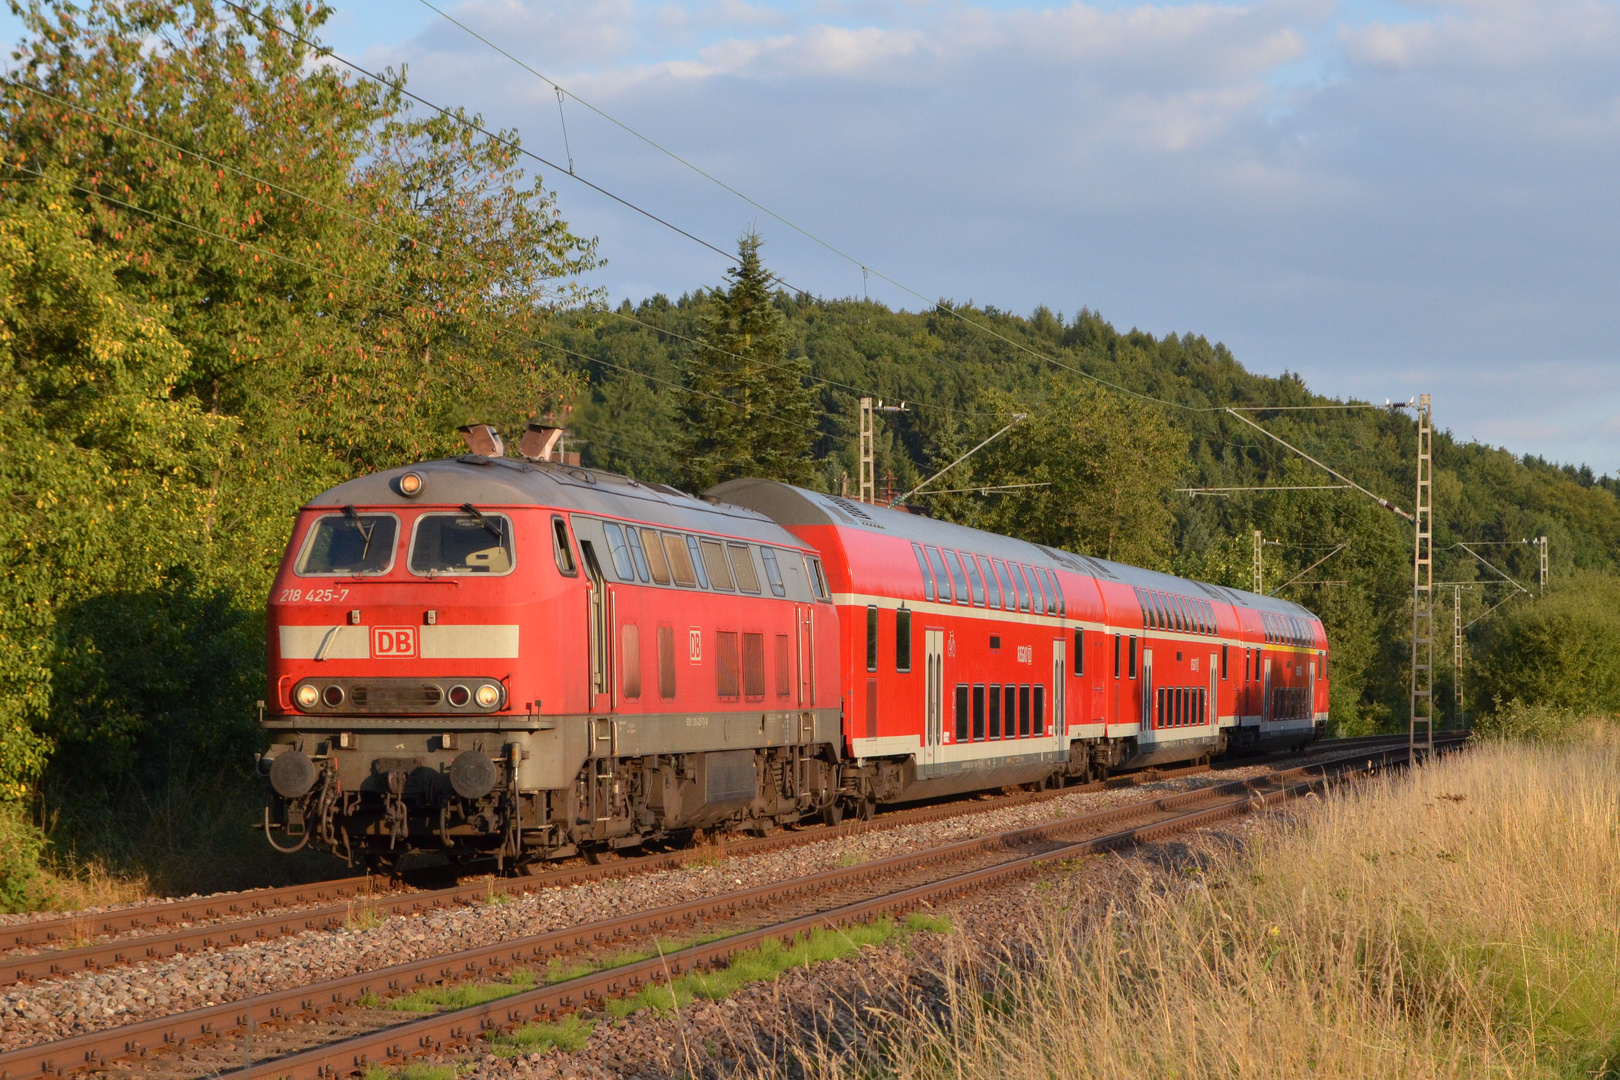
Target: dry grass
1459,921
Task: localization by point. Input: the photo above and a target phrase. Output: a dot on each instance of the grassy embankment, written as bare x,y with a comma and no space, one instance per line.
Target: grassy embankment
1460,921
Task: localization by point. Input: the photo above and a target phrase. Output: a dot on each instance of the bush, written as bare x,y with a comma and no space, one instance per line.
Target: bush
23,885
1561,652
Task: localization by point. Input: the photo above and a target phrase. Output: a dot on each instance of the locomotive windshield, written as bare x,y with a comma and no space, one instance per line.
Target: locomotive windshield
349,543
462,544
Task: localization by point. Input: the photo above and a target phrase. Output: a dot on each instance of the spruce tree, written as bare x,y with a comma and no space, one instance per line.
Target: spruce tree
748,409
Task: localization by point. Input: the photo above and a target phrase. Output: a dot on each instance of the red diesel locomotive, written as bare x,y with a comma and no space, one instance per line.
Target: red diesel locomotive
520,659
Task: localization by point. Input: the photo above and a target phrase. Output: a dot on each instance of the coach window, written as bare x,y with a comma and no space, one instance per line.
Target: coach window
1039,709
978,713
871,637
655,556
637,554
680,563
1037,595
474,543
1161,618
773,572
1245,665
695,556
1223,662
1019,586
1079,651
928,575
1023,712
942,580
902,640
630,661
974,580
1131,653
995,711
561,549
1057,591
1043,585
1009,600
958,577
714,560
961,712
666,662
742,565
1009,711
622,566
992,586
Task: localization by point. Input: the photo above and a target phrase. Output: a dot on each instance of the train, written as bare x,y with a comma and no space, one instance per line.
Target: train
521,659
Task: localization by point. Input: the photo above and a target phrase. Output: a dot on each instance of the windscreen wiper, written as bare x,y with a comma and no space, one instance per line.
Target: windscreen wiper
493,527
365,530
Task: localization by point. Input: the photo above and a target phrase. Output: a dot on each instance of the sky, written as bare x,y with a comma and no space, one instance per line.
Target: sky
1386,198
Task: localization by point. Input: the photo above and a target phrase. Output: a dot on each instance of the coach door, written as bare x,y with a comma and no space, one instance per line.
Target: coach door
1265,694
1146,685
934,705
1060,686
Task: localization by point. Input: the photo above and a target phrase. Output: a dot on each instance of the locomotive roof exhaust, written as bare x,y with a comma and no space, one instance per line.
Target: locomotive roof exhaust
483,440
539,442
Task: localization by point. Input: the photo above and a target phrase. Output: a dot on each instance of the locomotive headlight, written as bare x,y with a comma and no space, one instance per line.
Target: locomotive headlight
458,696
410,485
307,696
487,696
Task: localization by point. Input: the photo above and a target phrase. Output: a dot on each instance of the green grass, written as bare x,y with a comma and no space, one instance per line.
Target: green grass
769,959
411,1072
568,1034
463,995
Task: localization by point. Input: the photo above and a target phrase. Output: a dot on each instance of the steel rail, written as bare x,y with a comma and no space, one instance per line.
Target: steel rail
56,963
96,1049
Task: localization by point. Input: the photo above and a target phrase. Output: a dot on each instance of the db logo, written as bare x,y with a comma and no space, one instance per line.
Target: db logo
694,645
389,642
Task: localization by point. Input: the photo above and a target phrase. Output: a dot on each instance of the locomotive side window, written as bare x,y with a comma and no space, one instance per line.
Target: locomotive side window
928,575
957,576
620,551
990,582
462,544
636,553
714,560
773,572
974,580
654,548
995,712
871,637
942,581
666,662
902,640
978,713
695,557
784,666
753,666
742,565
680,563
349,543
725,664
630,661
562,549
961,712
818,579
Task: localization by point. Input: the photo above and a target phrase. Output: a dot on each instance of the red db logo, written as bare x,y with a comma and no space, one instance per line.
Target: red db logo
393,642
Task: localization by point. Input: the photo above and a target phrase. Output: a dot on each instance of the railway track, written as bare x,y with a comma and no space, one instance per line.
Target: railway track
241,918
297,1028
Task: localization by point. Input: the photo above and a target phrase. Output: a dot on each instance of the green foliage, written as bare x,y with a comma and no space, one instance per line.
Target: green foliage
748,412
462,995
1516,721
568,1034
1559,653
23,886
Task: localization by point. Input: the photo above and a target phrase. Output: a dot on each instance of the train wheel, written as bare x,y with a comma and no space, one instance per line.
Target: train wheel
868,809
833,812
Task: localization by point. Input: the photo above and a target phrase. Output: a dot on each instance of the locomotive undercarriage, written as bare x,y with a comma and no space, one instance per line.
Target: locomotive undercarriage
467,796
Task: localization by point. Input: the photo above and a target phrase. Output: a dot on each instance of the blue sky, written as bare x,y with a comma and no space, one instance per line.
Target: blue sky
1386,198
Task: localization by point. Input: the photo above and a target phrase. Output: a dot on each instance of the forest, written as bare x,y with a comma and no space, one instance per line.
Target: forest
233,275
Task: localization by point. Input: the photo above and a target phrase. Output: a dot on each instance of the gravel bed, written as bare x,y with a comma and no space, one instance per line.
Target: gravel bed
57,1008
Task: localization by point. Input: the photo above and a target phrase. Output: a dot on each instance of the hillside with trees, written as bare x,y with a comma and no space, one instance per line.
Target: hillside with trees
232,276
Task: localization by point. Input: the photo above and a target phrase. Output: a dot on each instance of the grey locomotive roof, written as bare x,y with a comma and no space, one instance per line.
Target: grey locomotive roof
795,506
508,482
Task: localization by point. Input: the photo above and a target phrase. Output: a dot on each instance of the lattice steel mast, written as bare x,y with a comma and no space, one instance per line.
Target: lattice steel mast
1421,727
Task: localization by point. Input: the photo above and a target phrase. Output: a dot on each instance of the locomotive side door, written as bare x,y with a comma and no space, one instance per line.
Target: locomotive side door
806,622
601,632
934,683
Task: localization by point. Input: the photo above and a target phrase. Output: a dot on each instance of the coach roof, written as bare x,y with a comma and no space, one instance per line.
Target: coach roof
485,481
